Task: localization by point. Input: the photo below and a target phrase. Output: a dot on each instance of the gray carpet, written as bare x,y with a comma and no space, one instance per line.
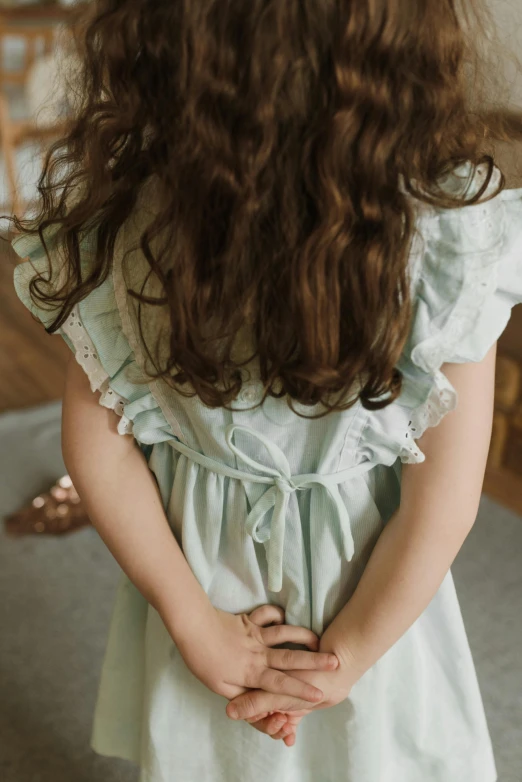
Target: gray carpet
56,596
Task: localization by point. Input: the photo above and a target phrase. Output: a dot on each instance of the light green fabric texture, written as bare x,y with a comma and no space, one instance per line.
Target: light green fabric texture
273,508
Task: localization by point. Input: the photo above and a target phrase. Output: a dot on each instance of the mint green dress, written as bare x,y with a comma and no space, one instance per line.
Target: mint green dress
270,507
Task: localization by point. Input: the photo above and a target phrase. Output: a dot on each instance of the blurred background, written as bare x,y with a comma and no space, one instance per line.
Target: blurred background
57,580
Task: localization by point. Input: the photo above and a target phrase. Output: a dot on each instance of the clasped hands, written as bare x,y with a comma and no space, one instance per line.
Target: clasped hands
272,689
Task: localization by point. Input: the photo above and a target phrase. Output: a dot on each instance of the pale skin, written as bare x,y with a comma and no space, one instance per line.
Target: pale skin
232,654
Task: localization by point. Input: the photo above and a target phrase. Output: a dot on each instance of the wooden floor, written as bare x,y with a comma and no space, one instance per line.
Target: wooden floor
32,365
31,361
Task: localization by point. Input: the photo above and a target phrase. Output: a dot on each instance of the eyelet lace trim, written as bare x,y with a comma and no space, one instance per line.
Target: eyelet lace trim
480,281
87,358
441,400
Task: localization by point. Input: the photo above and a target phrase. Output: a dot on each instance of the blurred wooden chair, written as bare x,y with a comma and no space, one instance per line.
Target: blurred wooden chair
38,41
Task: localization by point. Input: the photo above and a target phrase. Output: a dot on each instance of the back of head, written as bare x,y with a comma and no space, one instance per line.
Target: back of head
274,152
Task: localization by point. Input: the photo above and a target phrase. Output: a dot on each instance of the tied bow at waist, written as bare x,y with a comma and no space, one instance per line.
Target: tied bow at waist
281,485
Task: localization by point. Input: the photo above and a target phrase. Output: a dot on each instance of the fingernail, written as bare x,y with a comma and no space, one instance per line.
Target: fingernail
232,713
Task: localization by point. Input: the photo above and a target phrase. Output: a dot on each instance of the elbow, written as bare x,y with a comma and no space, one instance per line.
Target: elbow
69,452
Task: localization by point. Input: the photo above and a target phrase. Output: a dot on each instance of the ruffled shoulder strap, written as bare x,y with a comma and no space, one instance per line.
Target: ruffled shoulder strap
94,332
464,256
468,278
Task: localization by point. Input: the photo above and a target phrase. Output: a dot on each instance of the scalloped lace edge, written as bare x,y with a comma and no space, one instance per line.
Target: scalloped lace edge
442,399
481,280
87,357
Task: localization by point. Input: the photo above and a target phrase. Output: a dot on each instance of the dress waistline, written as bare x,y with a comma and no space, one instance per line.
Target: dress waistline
282,484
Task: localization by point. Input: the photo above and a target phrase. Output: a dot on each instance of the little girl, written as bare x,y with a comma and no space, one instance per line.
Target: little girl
280,253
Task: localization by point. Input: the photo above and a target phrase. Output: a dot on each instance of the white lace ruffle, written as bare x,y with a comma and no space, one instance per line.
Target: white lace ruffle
442,399
480,282
87,358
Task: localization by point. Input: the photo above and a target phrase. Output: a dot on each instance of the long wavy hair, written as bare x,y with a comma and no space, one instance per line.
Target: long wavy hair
285,139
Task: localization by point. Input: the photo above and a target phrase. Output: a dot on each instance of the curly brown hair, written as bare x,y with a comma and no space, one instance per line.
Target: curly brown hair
284,139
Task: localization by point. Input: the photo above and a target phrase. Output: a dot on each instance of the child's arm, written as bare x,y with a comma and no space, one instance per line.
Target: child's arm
227,652
439,503
124,504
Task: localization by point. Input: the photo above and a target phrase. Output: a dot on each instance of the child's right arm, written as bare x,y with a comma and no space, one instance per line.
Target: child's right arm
228,652
439,503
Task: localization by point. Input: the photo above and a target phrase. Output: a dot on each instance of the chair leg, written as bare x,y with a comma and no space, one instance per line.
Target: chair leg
8,151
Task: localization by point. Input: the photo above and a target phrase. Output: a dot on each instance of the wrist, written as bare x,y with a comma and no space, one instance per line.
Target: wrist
334,642
186,622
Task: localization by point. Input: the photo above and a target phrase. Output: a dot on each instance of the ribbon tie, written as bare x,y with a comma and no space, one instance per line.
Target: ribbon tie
281,484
